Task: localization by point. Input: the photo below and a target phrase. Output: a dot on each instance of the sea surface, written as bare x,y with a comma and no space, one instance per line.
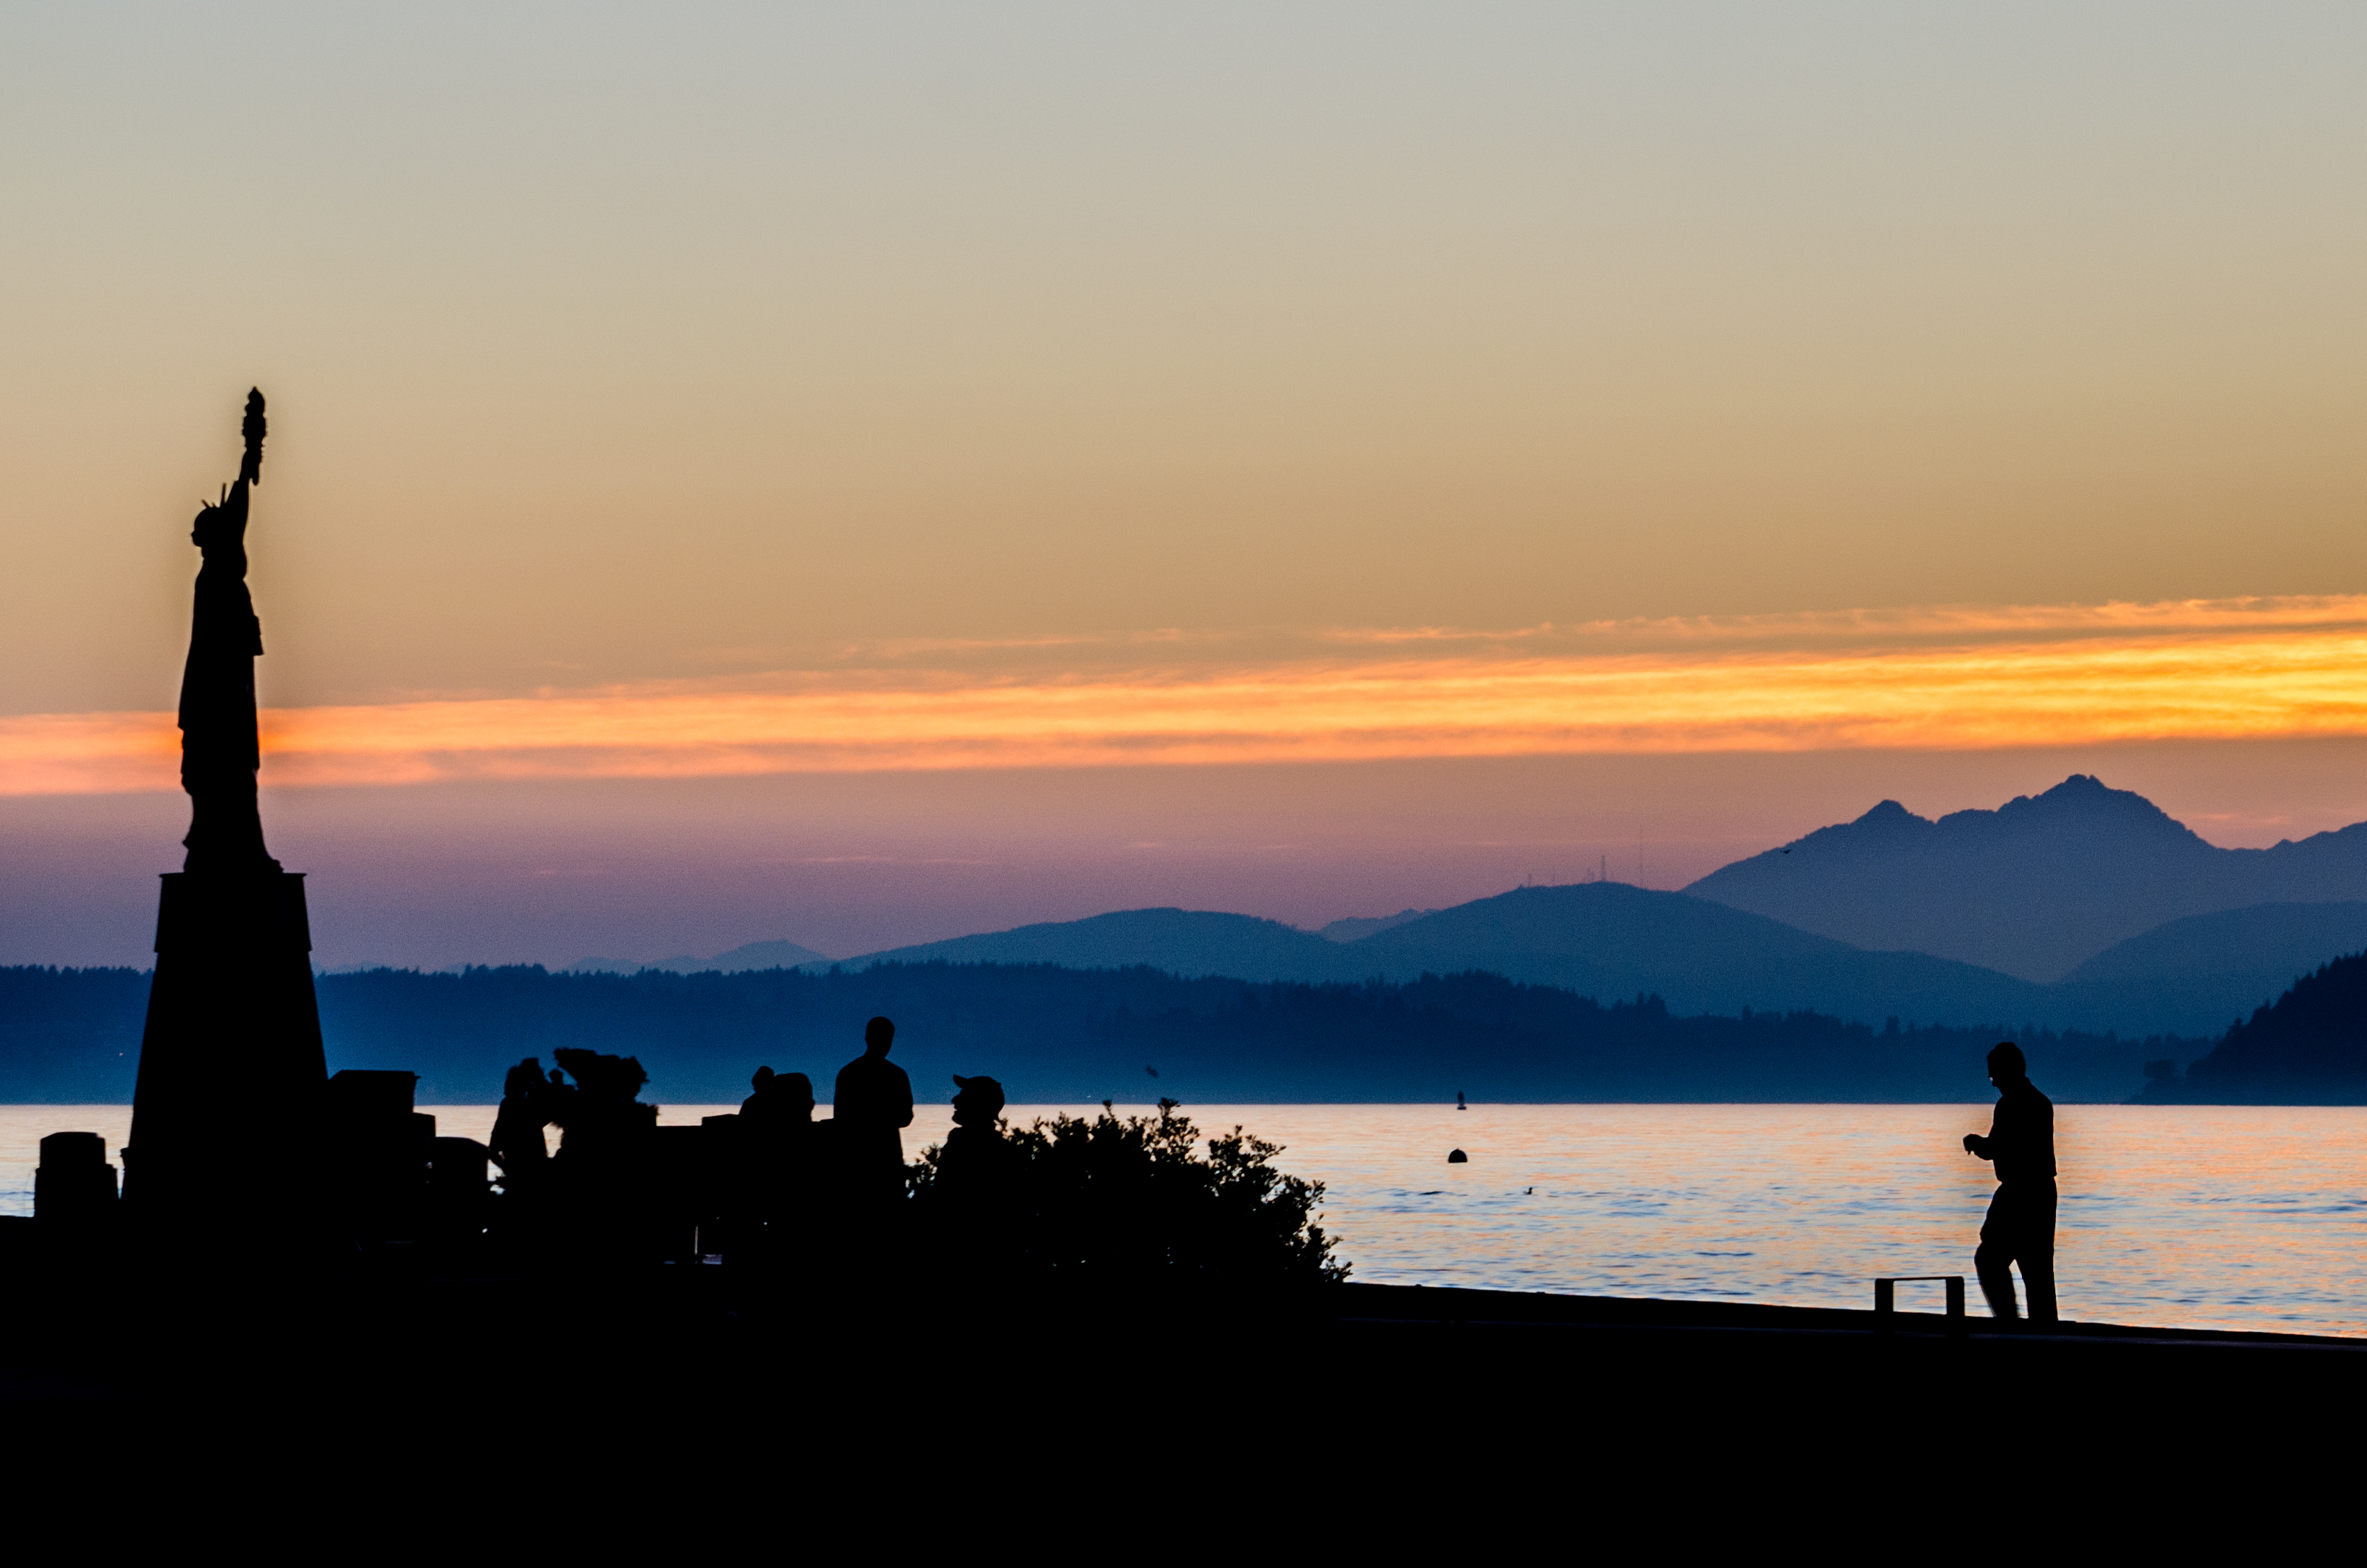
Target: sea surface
2190,1216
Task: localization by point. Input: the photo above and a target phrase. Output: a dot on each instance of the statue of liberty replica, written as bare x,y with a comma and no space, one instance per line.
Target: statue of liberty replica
232,1073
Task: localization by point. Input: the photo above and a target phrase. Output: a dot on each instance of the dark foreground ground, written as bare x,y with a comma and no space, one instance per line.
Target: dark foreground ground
1399,1415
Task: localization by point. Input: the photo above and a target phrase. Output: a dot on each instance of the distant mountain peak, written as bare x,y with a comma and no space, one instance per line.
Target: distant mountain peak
2082,799
2081,803
2033,887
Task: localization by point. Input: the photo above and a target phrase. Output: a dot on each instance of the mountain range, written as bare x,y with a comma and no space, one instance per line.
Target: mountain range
2034,888
1609,940
1591,991
2077,928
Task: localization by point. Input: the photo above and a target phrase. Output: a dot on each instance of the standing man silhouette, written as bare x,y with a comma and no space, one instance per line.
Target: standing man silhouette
2021,1223
872,1104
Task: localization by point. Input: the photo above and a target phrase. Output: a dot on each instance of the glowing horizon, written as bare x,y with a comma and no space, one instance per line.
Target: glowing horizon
2283,669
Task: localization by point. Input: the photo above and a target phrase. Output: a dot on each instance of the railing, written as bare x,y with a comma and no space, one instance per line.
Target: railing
1885,1298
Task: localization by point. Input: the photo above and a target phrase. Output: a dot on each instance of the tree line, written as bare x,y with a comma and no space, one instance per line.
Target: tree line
1070,1036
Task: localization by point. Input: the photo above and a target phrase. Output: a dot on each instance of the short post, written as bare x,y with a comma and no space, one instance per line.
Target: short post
1885,1298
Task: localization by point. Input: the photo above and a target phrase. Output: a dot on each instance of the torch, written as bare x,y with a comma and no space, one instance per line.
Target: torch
250,470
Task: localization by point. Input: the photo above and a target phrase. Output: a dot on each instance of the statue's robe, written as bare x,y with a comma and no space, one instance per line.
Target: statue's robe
219,746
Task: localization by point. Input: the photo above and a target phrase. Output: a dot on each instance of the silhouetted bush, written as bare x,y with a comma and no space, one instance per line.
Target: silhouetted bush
1117,1200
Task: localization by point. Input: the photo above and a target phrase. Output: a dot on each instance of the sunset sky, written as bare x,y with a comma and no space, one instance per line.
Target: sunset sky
866,474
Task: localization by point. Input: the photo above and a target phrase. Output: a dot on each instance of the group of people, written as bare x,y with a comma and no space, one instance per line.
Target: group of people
860,1151
772,1170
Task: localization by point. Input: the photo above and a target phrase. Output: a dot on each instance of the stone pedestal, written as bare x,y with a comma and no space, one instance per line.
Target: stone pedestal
230,1067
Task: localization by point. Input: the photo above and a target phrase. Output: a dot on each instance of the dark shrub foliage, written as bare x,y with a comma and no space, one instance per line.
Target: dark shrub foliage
1117,1200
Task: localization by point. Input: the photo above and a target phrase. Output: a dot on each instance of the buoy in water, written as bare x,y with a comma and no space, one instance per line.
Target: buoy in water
1458,1101
1456,1156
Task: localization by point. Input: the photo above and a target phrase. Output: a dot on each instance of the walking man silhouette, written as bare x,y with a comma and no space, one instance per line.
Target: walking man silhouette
872,1104
2021,1223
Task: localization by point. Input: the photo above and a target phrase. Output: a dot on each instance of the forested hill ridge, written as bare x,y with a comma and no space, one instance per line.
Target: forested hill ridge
775,954
1600,939
1606,939
2308,1047
2032,888
1057,1035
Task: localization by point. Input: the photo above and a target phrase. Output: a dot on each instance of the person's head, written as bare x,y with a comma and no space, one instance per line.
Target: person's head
763,1079
977,1101
877,1035
795,1091
525,1078
2006,1064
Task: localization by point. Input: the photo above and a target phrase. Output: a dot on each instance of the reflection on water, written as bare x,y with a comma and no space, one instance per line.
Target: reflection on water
2197,1216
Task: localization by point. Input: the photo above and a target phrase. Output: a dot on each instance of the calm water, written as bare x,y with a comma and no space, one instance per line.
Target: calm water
2193,1216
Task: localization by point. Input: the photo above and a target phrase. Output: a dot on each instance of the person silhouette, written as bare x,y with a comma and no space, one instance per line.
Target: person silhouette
776,1150
776,1097
977,1192
2021,1223
517,1142
871,1105
976,1153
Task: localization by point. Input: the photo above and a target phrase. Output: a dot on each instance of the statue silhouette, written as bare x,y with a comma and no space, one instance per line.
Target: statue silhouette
872,1104
219,746
2021,1223
233,1030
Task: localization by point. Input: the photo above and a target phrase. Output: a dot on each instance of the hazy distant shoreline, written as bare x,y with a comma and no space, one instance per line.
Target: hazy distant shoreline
1055,1034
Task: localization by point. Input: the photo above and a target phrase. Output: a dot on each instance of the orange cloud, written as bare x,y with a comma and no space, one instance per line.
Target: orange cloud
2225,671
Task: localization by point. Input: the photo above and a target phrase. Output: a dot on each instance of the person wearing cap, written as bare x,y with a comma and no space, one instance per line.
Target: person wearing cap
976,1169
974,1149
871,1105
2020,1228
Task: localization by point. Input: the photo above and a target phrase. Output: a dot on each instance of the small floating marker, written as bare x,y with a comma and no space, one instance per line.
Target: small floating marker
1456,1156
1458,1101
